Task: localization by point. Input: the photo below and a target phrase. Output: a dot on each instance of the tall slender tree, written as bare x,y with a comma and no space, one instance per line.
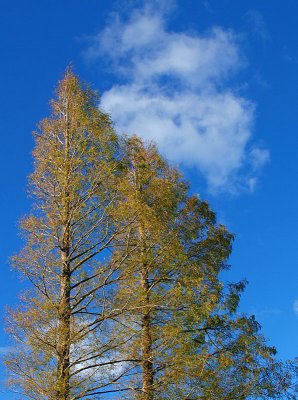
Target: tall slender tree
61,327
185,335
152,192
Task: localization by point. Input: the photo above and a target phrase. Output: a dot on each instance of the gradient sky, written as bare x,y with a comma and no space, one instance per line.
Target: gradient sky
214,83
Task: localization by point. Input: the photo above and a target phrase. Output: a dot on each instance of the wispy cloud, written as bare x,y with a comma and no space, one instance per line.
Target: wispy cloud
295,307
258,25
174,89
5,350
265,313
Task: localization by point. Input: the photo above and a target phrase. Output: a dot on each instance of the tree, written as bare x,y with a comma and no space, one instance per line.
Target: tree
181,321
62,325
151,193
125,296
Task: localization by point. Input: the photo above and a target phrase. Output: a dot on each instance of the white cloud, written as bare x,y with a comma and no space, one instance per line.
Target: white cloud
174,90
259,157
295,307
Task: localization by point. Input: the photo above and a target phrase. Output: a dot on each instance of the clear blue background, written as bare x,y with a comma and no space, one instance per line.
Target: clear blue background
39,38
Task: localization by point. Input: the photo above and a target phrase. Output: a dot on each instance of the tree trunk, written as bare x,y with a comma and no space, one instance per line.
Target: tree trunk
65,283
146,341
146,338
64,331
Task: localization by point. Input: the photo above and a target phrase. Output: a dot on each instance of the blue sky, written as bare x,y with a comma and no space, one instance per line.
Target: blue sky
213,82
